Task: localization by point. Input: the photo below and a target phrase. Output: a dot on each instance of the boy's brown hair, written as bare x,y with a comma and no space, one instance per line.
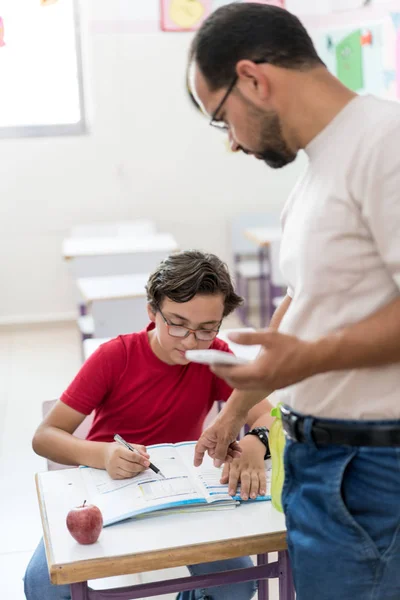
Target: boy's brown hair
183,275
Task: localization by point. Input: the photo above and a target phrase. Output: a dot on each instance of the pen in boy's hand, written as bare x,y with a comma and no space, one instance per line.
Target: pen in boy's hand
121,441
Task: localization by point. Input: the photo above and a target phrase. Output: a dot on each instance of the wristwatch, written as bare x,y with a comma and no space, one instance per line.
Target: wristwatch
262,434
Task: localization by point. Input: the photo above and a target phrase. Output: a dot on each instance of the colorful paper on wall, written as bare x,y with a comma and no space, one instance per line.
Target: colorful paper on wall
349,66
355,56
2,42
183,15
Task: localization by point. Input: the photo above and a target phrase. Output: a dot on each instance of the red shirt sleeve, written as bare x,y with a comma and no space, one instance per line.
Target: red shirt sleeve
221,390
96,378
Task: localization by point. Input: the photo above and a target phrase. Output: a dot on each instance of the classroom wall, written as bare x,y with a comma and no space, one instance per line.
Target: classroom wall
148,154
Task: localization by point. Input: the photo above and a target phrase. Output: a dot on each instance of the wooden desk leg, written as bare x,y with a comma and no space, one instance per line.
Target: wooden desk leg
79,591
286,587
263,590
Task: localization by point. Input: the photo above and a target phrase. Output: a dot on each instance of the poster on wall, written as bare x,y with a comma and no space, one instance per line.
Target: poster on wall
354,55
183,15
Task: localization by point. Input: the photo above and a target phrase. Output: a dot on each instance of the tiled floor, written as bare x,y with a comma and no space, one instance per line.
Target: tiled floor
36,364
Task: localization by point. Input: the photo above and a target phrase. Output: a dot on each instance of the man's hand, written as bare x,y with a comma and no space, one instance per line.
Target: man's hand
121,463
248,470
219,440
283,360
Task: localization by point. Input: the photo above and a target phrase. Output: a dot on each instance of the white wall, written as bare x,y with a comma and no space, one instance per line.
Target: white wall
149,154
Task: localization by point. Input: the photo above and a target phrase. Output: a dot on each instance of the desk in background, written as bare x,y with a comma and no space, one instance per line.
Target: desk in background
117,303
97,257
267,239
263,236
165,541
114,228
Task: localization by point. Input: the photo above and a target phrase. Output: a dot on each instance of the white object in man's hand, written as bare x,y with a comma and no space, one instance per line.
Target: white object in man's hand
214,357
283,360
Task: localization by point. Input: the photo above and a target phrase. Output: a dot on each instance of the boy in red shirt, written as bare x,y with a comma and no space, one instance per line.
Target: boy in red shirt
142,386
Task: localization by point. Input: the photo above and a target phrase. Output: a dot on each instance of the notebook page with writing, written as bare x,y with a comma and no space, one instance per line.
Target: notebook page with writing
147,492
210,476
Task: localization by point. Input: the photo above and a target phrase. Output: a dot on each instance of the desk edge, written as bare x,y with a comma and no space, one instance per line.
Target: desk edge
45,524
166,558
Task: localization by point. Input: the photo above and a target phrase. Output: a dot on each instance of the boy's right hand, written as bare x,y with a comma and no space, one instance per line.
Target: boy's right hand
121,463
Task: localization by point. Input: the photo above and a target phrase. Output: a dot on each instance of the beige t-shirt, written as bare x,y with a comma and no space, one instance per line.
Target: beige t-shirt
340,253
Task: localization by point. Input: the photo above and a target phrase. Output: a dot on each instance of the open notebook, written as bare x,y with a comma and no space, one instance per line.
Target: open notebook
185,488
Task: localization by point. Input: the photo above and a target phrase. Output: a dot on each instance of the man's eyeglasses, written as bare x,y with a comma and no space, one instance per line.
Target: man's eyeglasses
201,335
214,122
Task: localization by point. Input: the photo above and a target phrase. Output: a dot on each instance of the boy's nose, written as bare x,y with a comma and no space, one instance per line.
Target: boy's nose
190,342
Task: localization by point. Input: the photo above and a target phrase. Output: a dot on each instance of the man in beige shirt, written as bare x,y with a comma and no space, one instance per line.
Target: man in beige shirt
333,347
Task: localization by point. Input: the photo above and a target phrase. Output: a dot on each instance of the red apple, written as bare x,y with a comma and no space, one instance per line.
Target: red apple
85,523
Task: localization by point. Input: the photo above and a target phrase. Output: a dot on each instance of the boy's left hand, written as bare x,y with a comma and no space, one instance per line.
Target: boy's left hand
248,470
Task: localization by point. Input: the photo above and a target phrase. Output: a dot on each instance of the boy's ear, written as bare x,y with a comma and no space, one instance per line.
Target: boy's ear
151,313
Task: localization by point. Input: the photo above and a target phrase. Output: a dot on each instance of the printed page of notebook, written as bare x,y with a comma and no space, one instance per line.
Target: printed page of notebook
121,499
210,476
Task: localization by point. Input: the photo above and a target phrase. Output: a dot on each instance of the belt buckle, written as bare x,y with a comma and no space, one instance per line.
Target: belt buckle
290,420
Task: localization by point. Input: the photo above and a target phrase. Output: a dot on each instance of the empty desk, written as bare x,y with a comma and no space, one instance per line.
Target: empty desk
117,304
91,345
114,229
91,257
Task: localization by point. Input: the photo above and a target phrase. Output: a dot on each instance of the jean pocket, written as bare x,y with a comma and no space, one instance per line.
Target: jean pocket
362,504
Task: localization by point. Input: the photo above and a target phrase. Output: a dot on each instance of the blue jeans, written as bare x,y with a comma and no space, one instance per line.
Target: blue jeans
342,507
38,586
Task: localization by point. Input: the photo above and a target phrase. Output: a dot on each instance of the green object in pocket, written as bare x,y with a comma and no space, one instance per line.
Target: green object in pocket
277,442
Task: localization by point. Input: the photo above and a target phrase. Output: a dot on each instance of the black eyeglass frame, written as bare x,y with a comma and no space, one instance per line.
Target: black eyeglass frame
188,330
213,120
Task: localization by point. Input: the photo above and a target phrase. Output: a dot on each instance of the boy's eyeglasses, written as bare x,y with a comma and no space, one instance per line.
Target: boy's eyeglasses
201,335
214,122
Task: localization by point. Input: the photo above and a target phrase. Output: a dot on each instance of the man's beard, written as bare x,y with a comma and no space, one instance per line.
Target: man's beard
274,151
276,159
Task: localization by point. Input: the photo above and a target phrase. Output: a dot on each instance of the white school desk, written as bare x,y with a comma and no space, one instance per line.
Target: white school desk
263,236
114,228
249,352
161,542
96,257
117,303
90,345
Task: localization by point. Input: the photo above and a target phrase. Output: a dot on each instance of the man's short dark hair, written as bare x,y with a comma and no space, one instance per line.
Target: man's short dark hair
183,275
250,31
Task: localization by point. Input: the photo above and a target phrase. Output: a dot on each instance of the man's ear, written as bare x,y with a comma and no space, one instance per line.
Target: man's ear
151,313
253,79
